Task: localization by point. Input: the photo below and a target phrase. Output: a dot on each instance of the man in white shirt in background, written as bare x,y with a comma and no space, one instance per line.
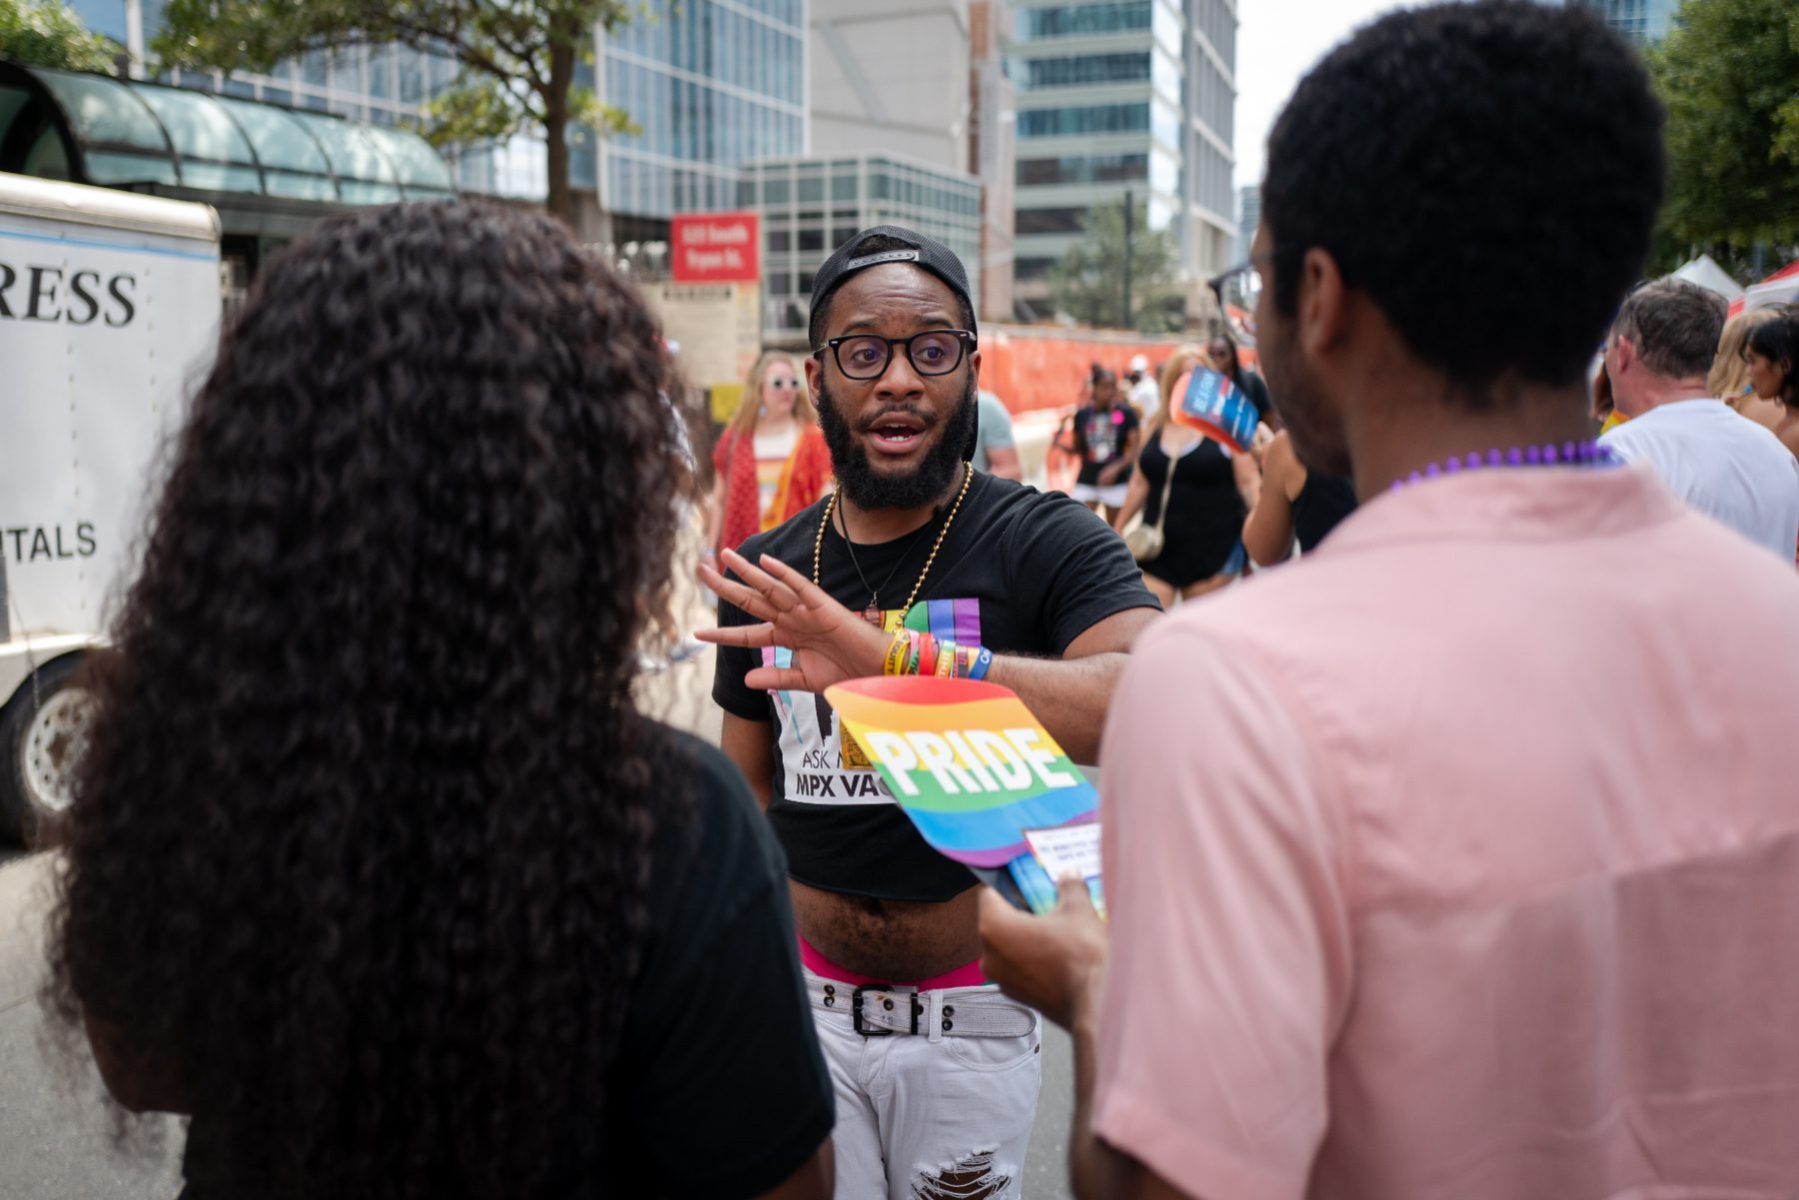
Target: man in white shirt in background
1145,396
1729,468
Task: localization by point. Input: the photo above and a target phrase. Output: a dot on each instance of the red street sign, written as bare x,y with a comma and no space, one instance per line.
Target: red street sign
716,248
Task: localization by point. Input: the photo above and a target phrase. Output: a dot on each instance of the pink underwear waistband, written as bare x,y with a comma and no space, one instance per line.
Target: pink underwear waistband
967,975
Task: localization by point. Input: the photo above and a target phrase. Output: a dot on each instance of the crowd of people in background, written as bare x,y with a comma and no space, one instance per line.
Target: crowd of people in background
1457,859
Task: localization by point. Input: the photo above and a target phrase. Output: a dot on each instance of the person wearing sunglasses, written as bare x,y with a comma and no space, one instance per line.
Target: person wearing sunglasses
918,564
771,461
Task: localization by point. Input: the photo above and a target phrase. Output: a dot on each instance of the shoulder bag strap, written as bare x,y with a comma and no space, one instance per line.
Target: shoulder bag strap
1167,482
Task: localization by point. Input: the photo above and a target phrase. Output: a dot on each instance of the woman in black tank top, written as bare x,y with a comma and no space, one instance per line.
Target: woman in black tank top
1212,488
1294,503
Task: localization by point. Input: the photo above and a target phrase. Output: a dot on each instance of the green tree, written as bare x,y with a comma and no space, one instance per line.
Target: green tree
517,58
1729,75
1088,282
43,33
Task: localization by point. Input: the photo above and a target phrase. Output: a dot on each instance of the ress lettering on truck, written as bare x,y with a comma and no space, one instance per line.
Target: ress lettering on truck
30,543
36,293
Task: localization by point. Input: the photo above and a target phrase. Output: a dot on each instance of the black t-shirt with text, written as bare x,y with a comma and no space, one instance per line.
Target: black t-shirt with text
1100,436
1020,572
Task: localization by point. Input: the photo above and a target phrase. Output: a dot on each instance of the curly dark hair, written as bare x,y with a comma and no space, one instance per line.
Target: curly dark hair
1489,173
359,849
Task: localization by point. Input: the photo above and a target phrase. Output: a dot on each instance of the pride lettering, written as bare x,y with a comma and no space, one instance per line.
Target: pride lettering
972,761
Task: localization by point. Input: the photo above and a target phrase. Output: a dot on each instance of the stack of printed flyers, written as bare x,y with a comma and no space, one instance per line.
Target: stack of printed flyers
981,779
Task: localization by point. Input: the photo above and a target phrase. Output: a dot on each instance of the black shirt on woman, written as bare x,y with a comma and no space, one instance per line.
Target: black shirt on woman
718,1088
1205,511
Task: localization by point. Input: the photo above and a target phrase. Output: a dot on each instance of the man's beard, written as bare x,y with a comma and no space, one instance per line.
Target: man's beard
926,483
1316,436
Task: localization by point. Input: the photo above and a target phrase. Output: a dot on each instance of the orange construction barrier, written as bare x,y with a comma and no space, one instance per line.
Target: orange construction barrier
1031,367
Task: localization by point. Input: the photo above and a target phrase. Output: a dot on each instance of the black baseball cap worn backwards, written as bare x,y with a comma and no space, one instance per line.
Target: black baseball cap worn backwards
921,251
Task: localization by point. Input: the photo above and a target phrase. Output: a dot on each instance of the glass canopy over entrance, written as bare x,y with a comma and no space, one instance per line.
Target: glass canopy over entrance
270,171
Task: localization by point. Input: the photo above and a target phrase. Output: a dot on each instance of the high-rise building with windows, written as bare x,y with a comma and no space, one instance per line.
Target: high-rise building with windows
383,85
1117,96
993,150
711,85
923,84
1249,215
892,78
810,206
1639,20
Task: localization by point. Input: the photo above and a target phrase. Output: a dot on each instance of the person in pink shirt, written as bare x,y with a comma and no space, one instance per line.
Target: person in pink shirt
1460,859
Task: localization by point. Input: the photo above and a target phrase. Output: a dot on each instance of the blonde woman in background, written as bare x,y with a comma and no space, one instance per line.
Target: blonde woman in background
772,461
1213,489
1729,379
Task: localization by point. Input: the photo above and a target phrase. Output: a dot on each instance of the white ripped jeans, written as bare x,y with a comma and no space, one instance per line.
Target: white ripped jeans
923,1118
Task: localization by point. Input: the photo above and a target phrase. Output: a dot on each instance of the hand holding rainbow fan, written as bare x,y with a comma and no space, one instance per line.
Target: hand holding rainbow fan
981,779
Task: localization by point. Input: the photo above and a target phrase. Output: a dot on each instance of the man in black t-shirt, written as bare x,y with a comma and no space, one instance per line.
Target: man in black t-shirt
914,540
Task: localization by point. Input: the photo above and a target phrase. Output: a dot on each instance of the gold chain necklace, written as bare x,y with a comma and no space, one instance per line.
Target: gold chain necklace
818,543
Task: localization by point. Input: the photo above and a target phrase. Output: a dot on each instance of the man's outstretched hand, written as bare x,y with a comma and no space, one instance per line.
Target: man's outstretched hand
829,642
1054,962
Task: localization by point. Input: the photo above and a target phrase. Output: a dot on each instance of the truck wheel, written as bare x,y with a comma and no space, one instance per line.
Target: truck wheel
43,732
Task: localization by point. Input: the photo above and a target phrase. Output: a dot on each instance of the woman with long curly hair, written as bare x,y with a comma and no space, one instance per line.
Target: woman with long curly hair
771,461
373,866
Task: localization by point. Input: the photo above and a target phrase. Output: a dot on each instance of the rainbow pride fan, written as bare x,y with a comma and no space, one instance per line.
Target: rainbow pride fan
980,777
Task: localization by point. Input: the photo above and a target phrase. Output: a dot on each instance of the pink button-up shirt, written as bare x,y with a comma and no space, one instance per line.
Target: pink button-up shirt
1461,860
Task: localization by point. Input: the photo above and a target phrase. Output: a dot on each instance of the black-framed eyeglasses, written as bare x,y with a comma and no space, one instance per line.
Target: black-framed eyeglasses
1243,283
865,356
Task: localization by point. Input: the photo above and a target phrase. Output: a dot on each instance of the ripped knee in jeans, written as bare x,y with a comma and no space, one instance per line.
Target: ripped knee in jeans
970,1178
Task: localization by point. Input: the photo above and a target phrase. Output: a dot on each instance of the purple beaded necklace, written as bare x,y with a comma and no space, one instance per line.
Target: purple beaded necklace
1568,454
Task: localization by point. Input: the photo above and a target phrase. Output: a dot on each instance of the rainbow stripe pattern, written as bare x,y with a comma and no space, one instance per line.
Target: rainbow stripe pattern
965,759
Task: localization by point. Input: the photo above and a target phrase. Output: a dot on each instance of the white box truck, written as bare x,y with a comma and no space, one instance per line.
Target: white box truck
109,309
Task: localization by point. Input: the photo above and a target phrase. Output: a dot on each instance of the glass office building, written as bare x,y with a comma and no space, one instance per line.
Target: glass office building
1116,96
810,206
384,86
1639,20
711,84
1249,215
